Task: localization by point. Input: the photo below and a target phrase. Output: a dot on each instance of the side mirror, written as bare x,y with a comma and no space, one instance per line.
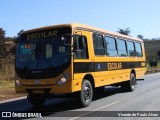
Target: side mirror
63,39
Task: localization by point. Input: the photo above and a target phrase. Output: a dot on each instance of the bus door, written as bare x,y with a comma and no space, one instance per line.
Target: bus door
81,63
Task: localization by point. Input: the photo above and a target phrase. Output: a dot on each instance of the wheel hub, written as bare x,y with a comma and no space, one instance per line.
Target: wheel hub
87,93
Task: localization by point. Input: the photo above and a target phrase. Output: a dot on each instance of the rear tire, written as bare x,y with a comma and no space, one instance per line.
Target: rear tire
86,94
36,99
130,85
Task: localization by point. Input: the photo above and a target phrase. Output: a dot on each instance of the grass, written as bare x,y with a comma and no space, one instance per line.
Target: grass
153,69
7,90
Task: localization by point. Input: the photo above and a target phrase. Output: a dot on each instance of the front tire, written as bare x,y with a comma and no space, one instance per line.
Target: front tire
86,94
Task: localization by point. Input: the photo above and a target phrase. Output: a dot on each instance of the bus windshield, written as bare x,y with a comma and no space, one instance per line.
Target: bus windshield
43,50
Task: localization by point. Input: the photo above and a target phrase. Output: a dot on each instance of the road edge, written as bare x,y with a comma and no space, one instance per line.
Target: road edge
13,99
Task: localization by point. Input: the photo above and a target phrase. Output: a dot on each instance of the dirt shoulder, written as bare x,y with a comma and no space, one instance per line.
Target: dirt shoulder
153,70
7,90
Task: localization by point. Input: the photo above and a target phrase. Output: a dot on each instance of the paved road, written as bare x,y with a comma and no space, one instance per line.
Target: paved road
146,97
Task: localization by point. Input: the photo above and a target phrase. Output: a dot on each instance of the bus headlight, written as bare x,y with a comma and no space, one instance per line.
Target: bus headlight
18,83
63,79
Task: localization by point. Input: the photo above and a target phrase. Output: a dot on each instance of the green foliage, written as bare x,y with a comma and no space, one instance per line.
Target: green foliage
151,48
126,31
2,33
2,42
20,32
158,54
140,36
7,56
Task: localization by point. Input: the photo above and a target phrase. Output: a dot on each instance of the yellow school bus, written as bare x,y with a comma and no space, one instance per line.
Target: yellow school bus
75,59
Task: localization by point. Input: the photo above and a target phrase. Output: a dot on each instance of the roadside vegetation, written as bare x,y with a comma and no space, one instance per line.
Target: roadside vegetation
7,90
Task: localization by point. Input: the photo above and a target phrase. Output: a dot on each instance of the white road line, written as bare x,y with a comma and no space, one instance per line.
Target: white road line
94,110
13,99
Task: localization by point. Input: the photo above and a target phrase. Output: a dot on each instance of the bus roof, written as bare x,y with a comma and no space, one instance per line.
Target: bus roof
86,27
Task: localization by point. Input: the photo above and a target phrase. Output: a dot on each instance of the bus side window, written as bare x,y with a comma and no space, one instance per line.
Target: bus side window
98,44
80,47
131,48
111,46
138,49
121,45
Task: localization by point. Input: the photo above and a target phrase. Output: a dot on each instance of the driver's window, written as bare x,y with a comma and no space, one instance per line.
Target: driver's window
80,47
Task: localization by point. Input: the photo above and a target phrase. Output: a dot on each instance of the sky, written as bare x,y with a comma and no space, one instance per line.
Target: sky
141,16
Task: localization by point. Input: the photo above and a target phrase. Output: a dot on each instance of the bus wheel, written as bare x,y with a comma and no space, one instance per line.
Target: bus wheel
86,94
36,100
129,86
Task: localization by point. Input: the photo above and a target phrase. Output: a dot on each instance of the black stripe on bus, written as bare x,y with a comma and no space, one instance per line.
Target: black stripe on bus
83,67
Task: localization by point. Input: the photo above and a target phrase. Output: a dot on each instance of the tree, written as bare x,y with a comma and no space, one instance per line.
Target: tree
2,33
126,31
140,36
20,32
158,54
2,43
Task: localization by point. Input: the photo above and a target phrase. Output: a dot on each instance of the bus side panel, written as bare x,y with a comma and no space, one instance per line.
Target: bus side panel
77,82
110,76
102,74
